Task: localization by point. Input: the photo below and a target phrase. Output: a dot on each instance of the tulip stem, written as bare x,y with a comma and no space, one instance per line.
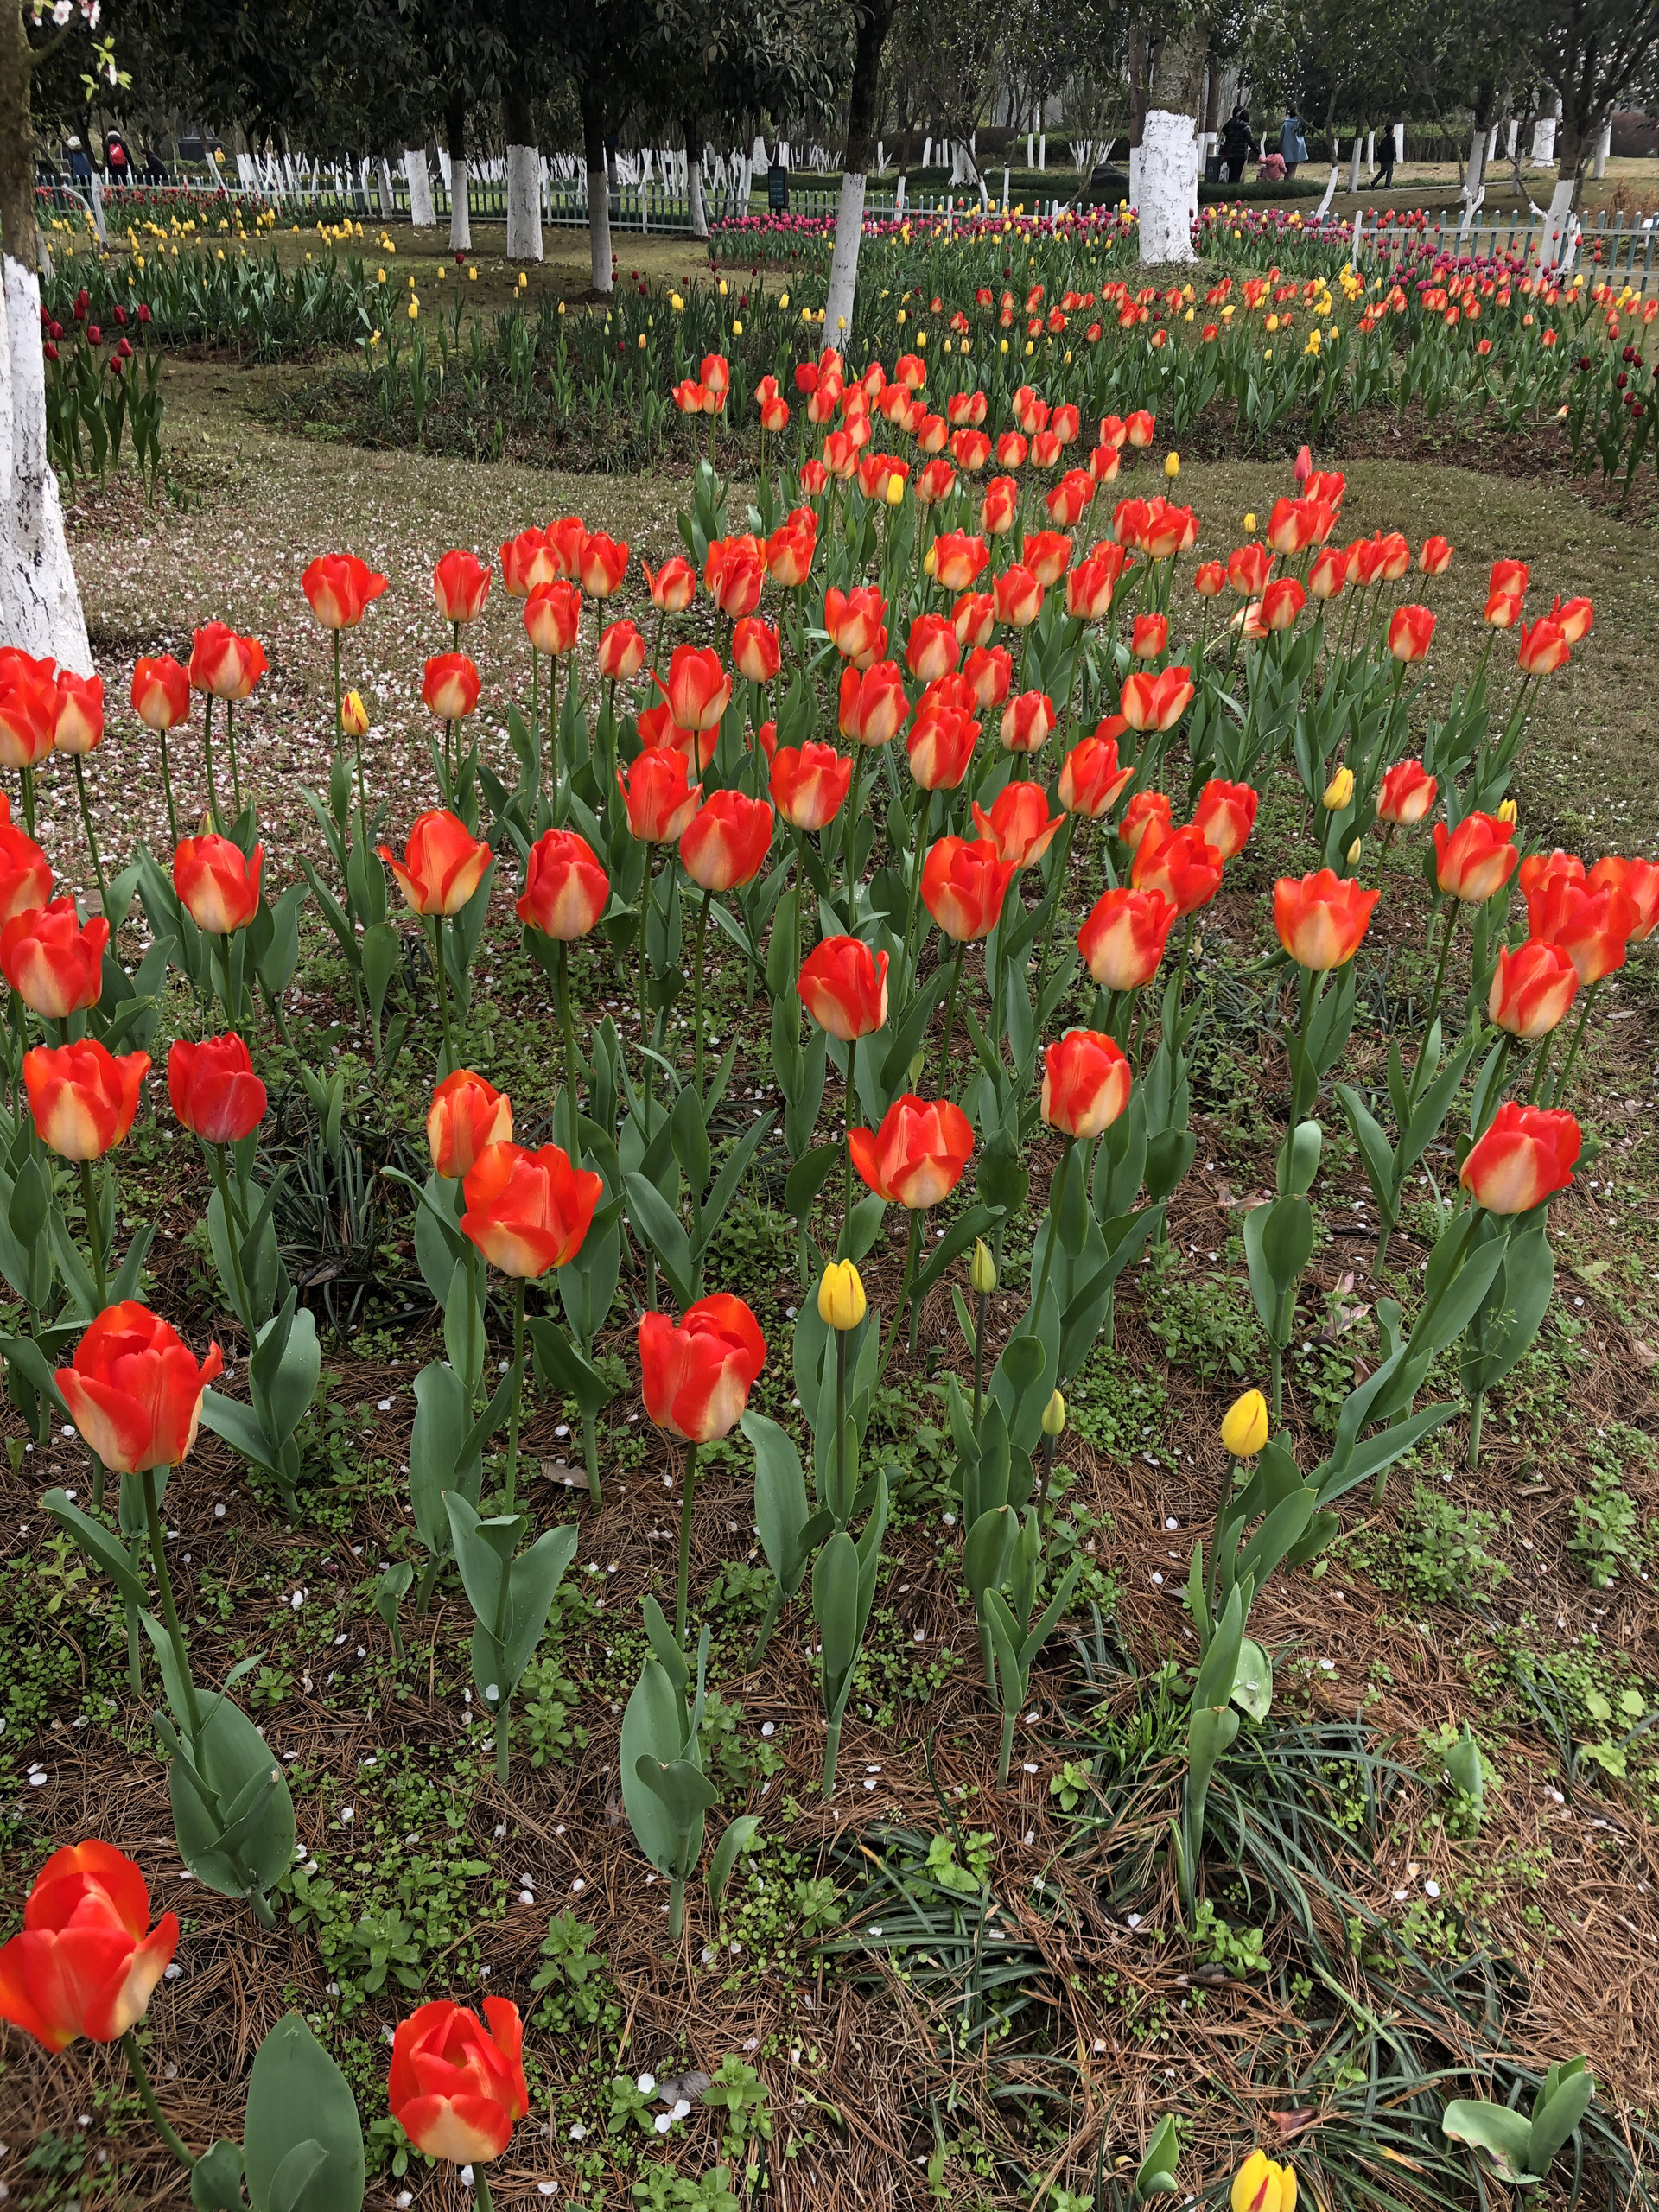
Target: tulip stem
449,1061
169,1612
696,995
516,1402
146,2098
207,755
481,2190
950,1011
167,785
1062,861
1559,1086
644,968
1277,1358
94,1236
568,1036
903,1311
233,1238
236,773
26,778
681,1602
1420,1069
922,843
849,838
1056,1194
1475,1412
979,1354
92,842
590,1458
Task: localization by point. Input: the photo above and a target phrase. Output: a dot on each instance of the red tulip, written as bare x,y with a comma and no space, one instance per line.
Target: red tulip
726,841
25,875
217,882
161,692
78,727
808,783
1000,508
1476,859
81,1098
1592,928
1019,597
1540,868
958,559
1320,918
1047,553
340,587
1086,1081
1149,639
1139,428
940,744
566,890
791,548
673,587
528,1211
1181,864
602,564
658,794
1281,602
1524,1156
213,1090
621,652
1089,585
225,665
456,2086
734,574
564,543
1068,500
449,685
1092,780
1225,814
1410,629
1249,568
1293,526
1328,577
443,864
86,1961
460,584
28,708
856,623
526,562
53,961
814,478
873,707
917,1156
1532,989
698,688
465,1117
932,649
1209,579
1027,721
696,1373
1544,648
964,885
133,1391
1157,702
1638,880
1018,827
1122,941
843,986
1573,617
1408,793
1436,556
552,623
1508,590
990,670
755,650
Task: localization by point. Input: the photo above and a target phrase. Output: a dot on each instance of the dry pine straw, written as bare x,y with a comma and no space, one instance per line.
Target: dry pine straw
1590,1989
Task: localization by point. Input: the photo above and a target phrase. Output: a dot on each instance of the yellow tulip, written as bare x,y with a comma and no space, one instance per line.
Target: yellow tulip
353,716
1172,465
842,1301
1339,792
1244,1431
1508,811
1261,2185
982,1272
1054,1415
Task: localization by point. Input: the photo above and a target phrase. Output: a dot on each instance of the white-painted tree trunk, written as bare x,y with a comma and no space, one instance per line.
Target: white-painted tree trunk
1353,163
1475,168
1560,241
388,206
524,203
1543,133
1134,176
599,226
421,213
843,264
461,212
1167,186
40,600
1604,148
1399,142
698,212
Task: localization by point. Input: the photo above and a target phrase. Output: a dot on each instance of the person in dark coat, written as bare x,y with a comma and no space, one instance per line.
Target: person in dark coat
1386,154
1237,144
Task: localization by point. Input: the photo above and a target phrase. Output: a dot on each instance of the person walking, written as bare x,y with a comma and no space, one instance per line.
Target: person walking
1386,152
1291,144
1237,144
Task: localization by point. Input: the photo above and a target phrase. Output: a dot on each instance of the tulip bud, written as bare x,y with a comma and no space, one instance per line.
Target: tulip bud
353,716
931,562
1054,1415
1508,811
1172,465
981,1274
1354,852
1244,1426
895,492
1249,525
842,1302
1339,792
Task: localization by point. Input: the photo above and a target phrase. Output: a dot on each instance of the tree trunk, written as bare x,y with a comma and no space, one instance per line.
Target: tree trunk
598,192
421,214
698,213
1560,241
1139,101
1168,172
461,224
874,23
39,600
524,179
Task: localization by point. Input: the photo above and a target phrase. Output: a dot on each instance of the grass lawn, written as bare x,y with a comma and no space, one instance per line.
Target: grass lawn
926,1990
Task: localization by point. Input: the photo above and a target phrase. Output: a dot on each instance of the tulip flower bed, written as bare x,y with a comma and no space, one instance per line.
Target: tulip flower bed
695,1572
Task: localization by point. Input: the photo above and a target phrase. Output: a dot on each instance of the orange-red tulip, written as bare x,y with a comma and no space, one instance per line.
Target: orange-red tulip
1089,585
726,841
1123,939
958,559
341,587
1092,779
1027,721
1047,553
990,668
940,745
964,885
25,874
755,650
1507,592
79,729
552,622
213,1090
443,864
161,692
86,1961
1436,556
528,1211
695,1375
658,794
217,882
1225,814
1532,989
225,665
698,690
81,1098
873,708
602,564
856,622
1526,1155
52,960
526,562
1592,928
734,574
843,986
1019,596
673,587
1408,793
917,1156
449,685
1410,629
1476,859
465,1117
932,648
1320,918
1148,814
621,652
1157,702
809,783
1086,1081
460,584
1181,864
1638,880
456,2085
566,890
1018,827
1544,648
